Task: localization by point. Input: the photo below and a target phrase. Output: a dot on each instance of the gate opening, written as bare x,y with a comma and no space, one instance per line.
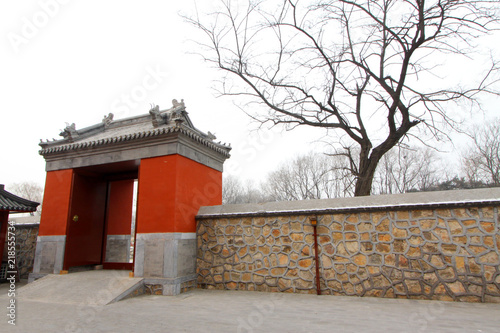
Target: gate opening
101,226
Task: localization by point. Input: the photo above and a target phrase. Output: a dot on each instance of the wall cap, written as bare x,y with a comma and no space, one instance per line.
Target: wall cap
421,200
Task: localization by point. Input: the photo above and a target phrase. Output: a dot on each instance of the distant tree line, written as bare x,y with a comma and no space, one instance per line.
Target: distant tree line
401,170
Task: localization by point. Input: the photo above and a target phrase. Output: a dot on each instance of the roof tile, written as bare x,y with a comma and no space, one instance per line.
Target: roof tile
11,202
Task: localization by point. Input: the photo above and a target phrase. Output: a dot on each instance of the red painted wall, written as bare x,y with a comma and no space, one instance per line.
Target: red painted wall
56,200
156,199
197,185
171,190
4,219
85,236
119,211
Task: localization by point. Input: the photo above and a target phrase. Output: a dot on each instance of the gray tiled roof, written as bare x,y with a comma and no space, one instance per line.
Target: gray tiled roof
155,124
13,203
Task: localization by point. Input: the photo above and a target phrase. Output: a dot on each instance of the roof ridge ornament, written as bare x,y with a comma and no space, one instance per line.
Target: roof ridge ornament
211,136
107,120
176,104
156,117
69,132
177,112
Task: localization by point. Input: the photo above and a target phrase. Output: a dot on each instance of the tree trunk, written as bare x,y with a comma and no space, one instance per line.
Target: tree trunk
364,183
365,176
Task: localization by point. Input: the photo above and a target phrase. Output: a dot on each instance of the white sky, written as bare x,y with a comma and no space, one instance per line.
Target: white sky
78,62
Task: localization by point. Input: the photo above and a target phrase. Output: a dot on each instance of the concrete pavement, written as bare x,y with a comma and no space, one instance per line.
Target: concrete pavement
240,311
106,286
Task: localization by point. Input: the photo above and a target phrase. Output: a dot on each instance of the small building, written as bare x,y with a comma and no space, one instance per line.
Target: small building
10,203
89,194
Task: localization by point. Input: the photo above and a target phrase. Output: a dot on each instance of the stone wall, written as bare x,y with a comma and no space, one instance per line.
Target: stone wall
25,248
434,251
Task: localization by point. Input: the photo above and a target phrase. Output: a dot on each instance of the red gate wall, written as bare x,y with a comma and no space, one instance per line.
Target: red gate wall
171,191
56,199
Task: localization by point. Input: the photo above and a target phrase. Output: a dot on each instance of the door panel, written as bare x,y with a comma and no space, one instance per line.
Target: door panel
118,224
86,222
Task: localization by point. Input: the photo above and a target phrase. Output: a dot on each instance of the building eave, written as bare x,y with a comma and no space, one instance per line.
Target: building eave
220,149
13,203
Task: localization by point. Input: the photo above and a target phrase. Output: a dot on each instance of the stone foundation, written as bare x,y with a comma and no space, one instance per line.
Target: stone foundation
169,287
117,248
188,285
49,255
166,261
449,254
154,289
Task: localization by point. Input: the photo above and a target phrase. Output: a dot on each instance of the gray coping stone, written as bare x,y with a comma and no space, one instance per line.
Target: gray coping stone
374,202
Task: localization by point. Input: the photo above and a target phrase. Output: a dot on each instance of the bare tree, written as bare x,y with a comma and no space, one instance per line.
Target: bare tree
481,160
232,190
253,194
235,192
355,68
311,176
28,190
406,169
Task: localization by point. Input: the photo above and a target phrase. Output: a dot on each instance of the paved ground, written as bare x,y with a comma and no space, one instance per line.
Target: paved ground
107,285
238,311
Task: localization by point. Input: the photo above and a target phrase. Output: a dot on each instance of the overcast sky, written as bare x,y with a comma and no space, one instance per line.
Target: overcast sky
76,61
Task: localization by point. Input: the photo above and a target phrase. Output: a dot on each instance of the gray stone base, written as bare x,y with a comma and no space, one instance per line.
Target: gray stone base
167,261
49,254
165,255
117,248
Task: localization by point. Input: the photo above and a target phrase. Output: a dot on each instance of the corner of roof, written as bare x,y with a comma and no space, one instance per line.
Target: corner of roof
16,203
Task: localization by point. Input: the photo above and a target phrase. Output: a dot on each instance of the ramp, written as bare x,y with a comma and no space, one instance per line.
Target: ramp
91,288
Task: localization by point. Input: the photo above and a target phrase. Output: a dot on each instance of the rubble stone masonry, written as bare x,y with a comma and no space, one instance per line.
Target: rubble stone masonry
447,254
26,235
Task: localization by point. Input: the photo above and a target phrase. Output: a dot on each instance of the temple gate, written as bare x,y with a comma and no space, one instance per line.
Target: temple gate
88,202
